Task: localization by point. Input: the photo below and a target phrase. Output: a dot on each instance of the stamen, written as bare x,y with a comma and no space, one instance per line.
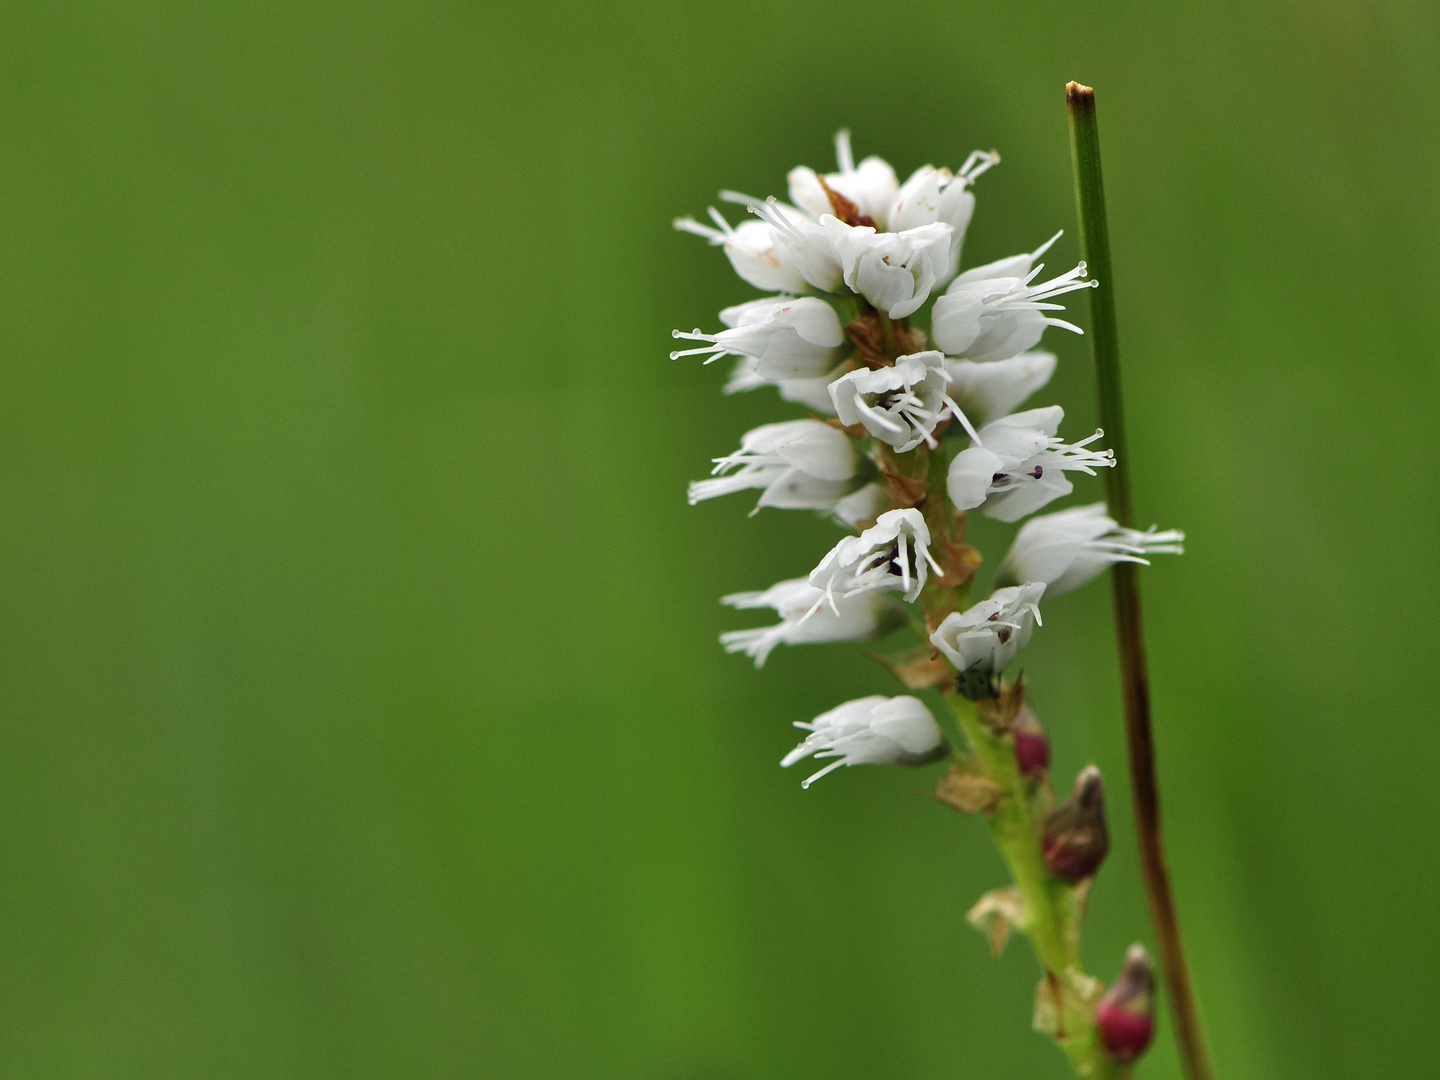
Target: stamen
977,163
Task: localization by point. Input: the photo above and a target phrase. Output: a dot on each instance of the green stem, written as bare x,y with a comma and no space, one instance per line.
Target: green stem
1052,916
1049,914
1105,347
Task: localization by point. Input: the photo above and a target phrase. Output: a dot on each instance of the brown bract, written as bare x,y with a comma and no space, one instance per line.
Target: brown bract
968,792
999,713
844,209
868,336
905,491
958,563
919,668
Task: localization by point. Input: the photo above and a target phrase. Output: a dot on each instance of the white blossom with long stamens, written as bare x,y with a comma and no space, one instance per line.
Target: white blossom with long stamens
932,195
890,556
805,247
801,464
992,389
789,337
873,730
986,637
858,618
994,312
814,393
899,405
1071,547
750,247
1019,465
871,186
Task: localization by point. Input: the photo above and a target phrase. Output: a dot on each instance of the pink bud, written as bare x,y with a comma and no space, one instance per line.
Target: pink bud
1032,747
1126,1014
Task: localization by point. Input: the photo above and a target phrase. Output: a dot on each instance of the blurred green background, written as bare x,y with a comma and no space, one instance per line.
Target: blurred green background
362,710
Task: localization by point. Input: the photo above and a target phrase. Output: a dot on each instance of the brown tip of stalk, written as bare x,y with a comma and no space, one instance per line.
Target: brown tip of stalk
1078,95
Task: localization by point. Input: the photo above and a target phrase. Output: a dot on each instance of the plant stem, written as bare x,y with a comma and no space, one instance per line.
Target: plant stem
1052,914
1104,345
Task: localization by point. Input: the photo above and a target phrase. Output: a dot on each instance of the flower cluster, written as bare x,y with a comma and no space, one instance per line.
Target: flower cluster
909,428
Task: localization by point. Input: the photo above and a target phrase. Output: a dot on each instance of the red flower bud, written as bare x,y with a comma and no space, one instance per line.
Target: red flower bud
1032,748
1076,840
1126,1014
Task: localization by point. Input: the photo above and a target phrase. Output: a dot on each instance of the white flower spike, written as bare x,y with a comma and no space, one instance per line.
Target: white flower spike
750,247
890,556
858,618
1070,548
991,390
982,641
993,312
801,464
899,405
873,730
790,337
871,187
1018,465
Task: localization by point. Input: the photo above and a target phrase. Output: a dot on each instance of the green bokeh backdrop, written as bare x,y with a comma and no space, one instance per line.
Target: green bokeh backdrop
362,711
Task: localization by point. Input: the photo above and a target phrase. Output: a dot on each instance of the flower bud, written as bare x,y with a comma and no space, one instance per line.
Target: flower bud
1075,841
1126,1014
1032,747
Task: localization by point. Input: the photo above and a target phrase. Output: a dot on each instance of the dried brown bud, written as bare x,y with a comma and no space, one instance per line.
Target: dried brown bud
1076,841
1126,1014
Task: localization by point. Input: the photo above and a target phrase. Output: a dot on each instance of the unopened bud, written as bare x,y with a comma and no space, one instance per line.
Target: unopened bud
1032,747
1076,841
1126,1014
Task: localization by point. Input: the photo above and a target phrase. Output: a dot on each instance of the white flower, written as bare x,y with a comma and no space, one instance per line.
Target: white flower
871,187
890,556
864,505
792,338
900,405
983,640
814,394
994,312
750,248
932,195
806,620
1018,465
895,271
801,464
1069,548
994,388
804,247
873,730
